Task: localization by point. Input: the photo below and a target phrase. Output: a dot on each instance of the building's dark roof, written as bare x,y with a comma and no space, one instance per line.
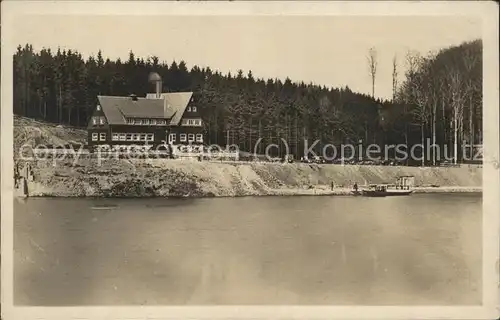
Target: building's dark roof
177,102
169,106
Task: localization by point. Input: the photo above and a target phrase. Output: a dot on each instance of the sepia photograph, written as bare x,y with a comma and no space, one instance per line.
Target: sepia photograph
236,155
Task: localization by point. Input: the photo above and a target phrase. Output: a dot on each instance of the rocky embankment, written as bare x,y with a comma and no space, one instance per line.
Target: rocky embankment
29,132
184,178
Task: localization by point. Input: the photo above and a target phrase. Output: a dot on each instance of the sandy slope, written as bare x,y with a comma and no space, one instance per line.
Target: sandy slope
158,177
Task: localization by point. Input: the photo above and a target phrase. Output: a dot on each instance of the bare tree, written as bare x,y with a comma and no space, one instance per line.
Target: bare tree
470,60
394,77
417,91
421,98
432,88
437,89
372,66
457,98
412,64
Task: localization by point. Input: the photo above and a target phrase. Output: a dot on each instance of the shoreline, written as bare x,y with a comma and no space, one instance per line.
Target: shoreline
189,179
284,192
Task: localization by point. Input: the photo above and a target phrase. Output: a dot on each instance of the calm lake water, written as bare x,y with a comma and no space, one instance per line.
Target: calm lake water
417,250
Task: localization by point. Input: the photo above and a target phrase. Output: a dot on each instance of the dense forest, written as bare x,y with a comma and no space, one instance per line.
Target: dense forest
440,98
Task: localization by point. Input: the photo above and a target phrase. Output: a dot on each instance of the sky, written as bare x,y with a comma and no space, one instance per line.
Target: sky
326,50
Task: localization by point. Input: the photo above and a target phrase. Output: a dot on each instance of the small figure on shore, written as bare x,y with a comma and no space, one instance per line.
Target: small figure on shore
355,187
25,187
16,176
332,185
31,174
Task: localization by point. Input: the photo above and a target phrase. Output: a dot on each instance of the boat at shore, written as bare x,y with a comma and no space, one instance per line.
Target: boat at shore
403,187
385,191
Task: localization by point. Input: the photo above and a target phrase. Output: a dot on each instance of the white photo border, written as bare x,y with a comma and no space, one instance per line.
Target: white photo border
487,11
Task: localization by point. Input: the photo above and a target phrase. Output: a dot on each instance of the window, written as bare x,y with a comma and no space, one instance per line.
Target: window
115,137
102,136
191,137
146,121
182,137
138,121
188,109
199,137
94,121
153,121
191,122
94,136
102,120
142,137
98,108
130,121
123,137
150,137
193,109
172,137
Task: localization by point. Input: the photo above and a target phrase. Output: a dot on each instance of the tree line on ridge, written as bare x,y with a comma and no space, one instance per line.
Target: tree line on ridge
439,99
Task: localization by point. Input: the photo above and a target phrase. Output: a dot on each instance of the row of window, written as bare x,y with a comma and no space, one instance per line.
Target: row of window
147,122
99,136
123,136
185,137
132,137
191,122
98,120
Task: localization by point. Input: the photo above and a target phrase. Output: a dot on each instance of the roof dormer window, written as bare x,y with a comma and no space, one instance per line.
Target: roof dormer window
98,108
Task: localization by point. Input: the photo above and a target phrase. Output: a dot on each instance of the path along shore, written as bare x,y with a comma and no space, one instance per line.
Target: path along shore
325,191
